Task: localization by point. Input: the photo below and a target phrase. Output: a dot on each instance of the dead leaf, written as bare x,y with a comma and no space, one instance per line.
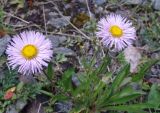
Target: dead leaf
80,19
132,56
2,32
9,93
19,3
30,3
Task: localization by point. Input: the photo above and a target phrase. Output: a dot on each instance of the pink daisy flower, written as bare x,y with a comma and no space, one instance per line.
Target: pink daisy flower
116,32
29,52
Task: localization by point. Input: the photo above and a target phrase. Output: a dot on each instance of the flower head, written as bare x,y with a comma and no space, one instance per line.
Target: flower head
29,51
116,32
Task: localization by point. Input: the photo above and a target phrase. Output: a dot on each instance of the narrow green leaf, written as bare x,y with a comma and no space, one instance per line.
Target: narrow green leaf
126,91
20,86
125,95
124,99
115,85
103,66
140,75
66,81
60,97
136,108
120,77
154,96
99,88
50,72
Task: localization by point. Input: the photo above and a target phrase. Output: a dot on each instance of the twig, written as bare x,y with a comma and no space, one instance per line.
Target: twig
63,34
23,27
44,18
13,25
89,11
16,17
69,21
108,69
39,108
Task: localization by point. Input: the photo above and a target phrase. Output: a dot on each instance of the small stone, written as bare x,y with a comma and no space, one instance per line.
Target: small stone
154,81
112,54
3,43
133,2
20,105
58,22
156,4
63,107
154,76
99,10
63,50
135,86
11,109
34,107
155,55
99,2
53,14
75,81
155,70
56,40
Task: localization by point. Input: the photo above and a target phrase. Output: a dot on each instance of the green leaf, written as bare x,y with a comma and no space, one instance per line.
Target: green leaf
124,99
140,75
99,88
154,96
120,77
126,91
115,85
50,72
46,93
20,87
126,81
60,97
66,81
127,94
136,108
103,66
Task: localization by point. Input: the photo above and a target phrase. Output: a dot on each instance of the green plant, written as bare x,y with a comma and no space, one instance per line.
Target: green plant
150,32
10,80
93,95
4,28
154,94
22,91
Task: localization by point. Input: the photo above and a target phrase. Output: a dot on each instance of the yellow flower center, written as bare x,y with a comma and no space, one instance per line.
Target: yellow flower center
116,31
29,51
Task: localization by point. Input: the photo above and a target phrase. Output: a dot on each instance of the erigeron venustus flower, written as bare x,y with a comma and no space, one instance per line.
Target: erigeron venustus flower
116,32
29,52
